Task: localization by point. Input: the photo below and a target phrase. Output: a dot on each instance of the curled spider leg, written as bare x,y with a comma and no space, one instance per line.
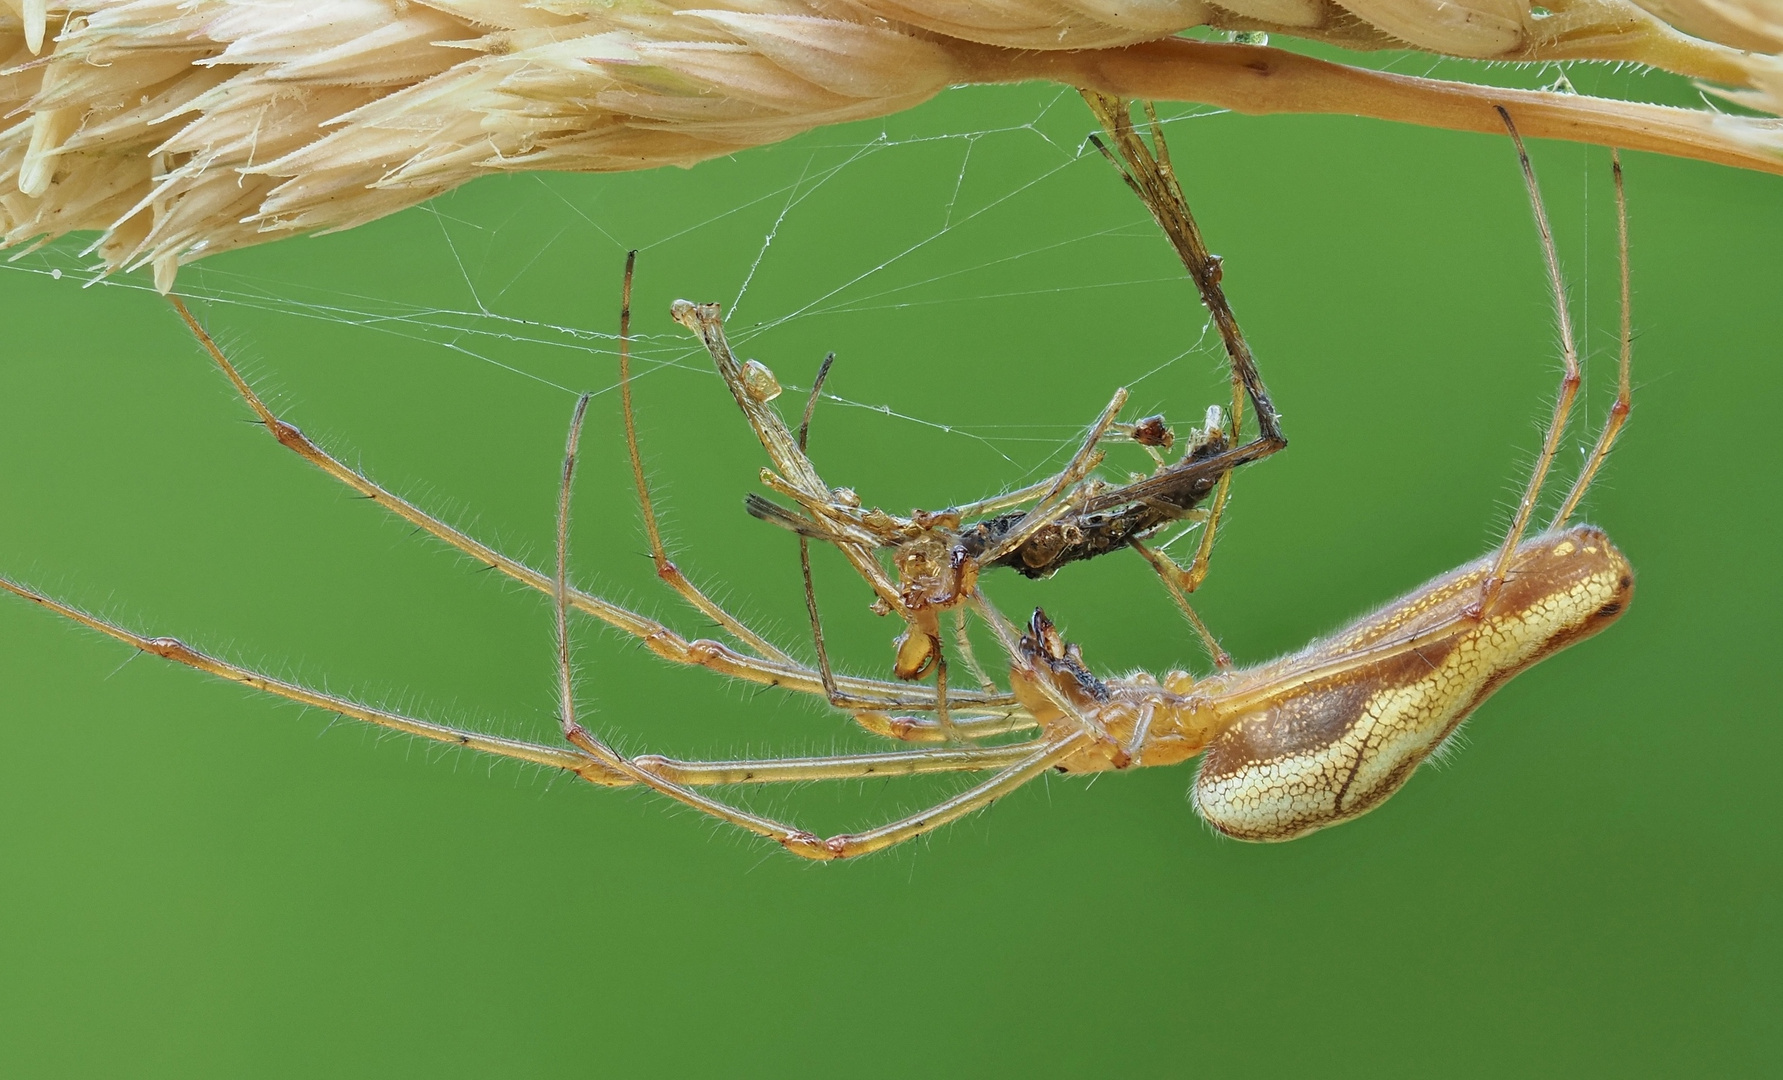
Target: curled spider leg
791,473
1569,380
664,642
855,543
753,396
1618,416
670,574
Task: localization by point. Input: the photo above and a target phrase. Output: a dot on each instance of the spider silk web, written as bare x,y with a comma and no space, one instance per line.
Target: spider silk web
874,240
975,264
986,282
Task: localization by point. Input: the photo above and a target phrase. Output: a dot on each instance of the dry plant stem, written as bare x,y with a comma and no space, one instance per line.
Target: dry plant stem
869,693
665,567
1569,376
1619,411
179,130
1258,80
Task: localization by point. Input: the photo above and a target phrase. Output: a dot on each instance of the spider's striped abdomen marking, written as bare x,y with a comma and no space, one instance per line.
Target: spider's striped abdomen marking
1327,734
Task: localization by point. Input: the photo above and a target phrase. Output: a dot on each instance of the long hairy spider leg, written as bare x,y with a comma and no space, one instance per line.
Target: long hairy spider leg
923,730
666,569
571,759
850,845
179,652
962,641
1054,503
658,638
1180,583
1612,425
1569,378
802,843
823,653
837,767
1197,569
593,745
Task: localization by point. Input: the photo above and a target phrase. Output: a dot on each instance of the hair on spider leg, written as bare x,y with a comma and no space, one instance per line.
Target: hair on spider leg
1287,747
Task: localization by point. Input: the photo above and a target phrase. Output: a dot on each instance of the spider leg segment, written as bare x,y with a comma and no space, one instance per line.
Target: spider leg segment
1180,584
599,764
1618,415
823,655
180,653
1067,517
1028,761
1570,376
869,694
666,569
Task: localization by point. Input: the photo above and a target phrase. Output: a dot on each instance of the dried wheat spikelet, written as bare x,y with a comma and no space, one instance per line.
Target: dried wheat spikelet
180,128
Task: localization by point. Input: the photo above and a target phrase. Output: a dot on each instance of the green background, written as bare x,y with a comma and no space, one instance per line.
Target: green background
198,881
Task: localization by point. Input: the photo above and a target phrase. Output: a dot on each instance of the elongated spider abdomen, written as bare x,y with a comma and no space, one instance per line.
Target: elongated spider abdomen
1374,701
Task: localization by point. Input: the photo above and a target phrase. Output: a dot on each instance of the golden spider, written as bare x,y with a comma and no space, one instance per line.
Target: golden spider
1309,740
